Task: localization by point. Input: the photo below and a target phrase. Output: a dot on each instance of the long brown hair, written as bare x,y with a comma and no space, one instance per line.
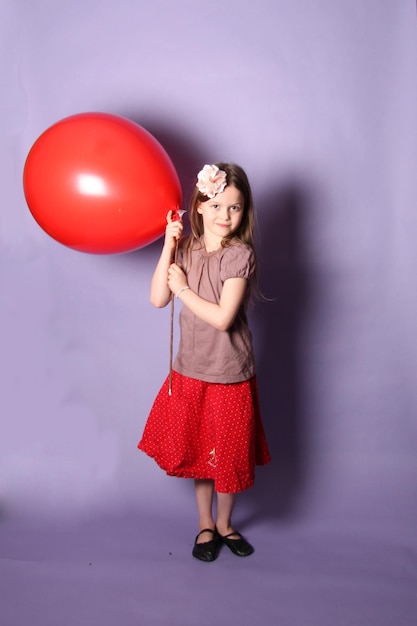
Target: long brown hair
235,177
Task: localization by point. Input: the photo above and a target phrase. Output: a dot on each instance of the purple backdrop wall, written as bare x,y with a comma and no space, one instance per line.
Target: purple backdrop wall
318,104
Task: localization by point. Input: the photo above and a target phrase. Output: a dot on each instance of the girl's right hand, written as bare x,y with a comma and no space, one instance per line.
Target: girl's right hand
173,231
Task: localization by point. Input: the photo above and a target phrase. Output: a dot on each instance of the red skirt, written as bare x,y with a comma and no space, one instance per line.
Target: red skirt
207,431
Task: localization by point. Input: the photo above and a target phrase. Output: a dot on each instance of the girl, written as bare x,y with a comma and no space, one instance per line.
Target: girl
210,427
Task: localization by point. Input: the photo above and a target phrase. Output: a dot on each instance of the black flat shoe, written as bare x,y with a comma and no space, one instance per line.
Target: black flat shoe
238,546
209,550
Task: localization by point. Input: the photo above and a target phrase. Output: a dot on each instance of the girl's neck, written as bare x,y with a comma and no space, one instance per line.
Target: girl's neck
211,244
211,248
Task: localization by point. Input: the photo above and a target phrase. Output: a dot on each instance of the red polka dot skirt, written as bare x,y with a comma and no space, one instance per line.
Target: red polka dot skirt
207,431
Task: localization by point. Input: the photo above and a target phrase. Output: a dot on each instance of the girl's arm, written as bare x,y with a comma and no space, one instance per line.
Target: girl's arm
221,315
160,292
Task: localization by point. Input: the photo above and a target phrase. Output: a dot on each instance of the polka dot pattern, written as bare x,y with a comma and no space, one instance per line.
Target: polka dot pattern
207,431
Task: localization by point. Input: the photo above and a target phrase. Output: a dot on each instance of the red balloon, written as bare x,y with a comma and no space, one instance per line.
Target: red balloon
100,183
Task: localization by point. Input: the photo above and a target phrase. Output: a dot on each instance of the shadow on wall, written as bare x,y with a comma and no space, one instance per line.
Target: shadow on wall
277,324
184,150
187,157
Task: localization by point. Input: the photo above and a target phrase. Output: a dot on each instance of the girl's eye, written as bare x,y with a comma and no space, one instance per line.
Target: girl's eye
215,206
235,208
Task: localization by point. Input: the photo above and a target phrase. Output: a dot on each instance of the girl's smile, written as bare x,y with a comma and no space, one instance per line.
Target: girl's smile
221,215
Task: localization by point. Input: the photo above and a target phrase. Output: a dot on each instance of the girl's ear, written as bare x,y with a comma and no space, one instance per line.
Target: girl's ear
199,209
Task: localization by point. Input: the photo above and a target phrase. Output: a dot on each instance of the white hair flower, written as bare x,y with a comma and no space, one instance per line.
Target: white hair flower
211,181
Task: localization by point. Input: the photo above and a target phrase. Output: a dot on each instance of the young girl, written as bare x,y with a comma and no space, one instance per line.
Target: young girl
209,428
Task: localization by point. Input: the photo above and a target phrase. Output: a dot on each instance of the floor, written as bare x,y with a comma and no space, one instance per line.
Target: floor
137,569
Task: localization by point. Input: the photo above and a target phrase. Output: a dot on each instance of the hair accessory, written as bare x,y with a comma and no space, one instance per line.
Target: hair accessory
211,181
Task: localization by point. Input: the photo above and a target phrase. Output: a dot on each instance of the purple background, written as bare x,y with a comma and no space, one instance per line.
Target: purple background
317,101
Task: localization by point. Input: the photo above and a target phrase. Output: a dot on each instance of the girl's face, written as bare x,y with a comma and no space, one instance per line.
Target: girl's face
221,215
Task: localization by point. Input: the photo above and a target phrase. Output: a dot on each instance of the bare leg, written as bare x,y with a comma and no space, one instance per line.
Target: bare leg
204,490
225,504
234,540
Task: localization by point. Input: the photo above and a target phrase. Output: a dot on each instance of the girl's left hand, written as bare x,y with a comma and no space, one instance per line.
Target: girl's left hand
176,278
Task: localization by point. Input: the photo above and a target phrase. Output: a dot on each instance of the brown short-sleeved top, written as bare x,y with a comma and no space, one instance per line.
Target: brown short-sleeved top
204,352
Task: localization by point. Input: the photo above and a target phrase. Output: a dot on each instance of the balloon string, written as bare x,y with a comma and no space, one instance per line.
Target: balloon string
171,331
176,215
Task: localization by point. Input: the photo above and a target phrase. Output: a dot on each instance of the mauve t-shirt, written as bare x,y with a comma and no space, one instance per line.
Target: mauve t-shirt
205,353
